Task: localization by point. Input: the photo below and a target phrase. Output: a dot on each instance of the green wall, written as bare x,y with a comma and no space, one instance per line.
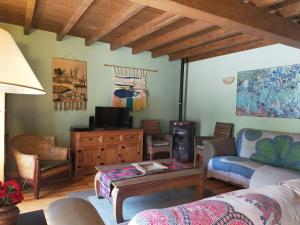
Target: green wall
35,114
209,100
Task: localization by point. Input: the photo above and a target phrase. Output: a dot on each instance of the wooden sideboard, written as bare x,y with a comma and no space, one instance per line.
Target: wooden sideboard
105,147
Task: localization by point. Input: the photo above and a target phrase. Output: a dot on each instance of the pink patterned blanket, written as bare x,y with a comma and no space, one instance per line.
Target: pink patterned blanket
268,206
106,177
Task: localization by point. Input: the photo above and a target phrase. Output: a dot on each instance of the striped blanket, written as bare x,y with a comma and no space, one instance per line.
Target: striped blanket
106,177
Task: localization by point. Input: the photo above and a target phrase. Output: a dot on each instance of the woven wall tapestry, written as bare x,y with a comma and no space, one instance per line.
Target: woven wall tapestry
129,88
270,92
69,84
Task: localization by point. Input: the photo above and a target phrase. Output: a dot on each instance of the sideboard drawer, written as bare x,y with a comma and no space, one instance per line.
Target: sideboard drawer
132,137
111,138
87,141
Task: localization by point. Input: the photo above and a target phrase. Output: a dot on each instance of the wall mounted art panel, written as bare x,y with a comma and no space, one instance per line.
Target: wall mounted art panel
270,92
69,84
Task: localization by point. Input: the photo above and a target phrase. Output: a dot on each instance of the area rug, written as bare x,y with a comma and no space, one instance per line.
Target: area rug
136,204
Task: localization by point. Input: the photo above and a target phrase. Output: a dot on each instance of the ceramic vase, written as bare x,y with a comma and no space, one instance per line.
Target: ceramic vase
9,215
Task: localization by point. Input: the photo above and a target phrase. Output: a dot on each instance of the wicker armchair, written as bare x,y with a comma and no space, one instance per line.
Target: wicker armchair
222,130
38,158
156,142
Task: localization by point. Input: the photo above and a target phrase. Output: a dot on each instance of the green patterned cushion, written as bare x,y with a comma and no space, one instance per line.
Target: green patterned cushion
272,148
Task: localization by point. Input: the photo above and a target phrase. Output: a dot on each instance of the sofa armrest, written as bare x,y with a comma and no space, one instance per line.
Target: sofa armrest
218,147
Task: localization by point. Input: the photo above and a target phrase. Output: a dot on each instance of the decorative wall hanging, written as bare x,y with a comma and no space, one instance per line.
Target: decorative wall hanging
69,84
129,88
270,92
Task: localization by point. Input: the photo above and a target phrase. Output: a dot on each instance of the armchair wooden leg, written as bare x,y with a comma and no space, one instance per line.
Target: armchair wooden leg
36,178
70,174
36,189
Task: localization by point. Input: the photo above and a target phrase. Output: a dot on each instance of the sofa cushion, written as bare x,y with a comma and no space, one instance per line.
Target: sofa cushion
269,175
272,148
233,169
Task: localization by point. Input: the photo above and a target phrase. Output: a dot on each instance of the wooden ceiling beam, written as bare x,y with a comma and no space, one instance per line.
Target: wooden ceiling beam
227,42
233,49
197,40
154,25
83,6
265,3
234,15
116,20
30,6
171,36
290,10
275,7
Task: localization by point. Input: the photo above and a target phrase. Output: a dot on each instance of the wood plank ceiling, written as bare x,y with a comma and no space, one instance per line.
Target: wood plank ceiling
180,29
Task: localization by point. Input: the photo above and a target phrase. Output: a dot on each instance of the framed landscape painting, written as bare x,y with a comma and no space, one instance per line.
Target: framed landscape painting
270,92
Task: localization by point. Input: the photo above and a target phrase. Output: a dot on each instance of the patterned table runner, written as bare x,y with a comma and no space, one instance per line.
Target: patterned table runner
106,177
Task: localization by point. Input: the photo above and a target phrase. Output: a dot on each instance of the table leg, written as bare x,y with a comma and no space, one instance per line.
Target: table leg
199,190
117,202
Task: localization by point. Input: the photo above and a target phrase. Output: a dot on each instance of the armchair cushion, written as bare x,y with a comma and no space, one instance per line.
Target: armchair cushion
50,164
233,169
158,143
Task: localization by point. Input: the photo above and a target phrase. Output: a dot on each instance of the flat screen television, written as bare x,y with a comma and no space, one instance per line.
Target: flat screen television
111,117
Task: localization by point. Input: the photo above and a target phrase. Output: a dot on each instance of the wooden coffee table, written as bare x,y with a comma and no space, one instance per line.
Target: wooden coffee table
150,184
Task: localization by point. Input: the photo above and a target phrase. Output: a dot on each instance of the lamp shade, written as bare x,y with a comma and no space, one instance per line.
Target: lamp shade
16,75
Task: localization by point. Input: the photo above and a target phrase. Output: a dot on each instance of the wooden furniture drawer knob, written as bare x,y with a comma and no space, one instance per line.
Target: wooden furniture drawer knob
101,164
79,167
90,139
102,149
122,161
138,153
98,157
123,147
119,155
79,151
112,138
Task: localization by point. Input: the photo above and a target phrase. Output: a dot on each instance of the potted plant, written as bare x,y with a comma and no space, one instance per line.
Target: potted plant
10,196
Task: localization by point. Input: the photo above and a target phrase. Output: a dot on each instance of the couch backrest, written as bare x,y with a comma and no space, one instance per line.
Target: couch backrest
272,148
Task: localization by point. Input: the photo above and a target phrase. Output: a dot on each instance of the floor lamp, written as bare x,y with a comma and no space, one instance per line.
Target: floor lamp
16,77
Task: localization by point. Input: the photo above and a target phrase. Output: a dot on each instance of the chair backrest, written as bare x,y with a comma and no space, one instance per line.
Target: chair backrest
32,145
223,130
151,127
